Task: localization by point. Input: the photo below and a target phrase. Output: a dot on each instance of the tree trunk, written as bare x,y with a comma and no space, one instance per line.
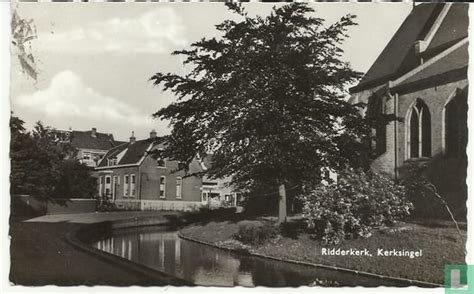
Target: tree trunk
282,204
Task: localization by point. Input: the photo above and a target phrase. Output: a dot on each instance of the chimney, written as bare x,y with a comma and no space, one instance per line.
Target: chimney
153,134
94,132
132,138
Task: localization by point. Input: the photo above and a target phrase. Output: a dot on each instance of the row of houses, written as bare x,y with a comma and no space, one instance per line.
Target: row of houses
130,176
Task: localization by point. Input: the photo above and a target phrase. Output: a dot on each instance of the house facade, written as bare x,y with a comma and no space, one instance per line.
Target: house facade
91,145
219,192
131,177
421,79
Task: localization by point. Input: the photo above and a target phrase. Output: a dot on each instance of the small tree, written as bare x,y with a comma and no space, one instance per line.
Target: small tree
267,99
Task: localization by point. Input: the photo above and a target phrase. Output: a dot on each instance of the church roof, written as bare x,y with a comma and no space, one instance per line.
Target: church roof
452,65
447,22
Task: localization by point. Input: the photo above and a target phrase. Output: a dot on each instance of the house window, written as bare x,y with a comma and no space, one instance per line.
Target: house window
101,184
204,197
132,185
162,187
455,126
179,183
209,183
125,186
161,163
114,186
108,186
419,129
112,162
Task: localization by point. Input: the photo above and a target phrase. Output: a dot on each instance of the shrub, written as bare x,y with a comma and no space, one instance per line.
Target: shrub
106,205
254,232
354,205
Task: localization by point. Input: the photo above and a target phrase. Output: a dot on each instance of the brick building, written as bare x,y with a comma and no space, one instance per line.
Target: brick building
421,78
131,177
91,145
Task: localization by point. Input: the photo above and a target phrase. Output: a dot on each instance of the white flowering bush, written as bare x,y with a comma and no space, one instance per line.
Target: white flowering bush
354,205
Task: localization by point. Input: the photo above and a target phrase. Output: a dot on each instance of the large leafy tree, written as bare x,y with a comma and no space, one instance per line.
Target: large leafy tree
266,99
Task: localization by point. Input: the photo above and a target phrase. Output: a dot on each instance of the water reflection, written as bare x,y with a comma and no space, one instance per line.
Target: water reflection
203,265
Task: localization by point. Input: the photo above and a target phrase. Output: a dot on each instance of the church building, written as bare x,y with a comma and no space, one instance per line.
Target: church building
420,78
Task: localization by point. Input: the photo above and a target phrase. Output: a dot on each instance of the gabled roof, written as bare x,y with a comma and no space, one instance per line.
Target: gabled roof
88,139
129,153
444,24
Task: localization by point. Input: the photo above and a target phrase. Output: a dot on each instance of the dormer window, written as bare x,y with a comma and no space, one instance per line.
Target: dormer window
111,161
161,163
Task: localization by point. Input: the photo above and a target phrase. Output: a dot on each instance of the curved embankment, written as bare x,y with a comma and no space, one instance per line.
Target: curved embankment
80,237
401,281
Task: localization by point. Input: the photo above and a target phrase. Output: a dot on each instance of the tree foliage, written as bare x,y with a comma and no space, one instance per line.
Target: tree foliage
45,168
75,179
266,98
33,169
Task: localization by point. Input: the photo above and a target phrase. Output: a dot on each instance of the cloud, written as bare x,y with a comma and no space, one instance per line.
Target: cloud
68,97
156,31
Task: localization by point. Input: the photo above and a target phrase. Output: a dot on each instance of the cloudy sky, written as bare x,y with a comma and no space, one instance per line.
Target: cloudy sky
95,59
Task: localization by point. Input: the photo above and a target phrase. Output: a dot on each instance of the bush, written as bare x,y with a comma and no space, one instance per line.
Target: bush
353,206
254,232
106,205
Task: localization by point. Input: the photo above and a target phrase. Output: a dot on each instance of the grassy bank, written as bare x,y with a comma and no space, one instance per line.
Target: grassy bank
440,246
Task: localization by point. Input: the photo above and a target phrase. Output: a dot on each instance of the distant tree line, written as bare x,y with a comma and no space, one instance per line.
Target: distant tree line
44,167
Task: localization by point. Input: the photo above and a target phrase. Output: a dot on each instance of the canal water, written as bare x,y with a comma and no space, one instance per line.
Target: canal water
162,250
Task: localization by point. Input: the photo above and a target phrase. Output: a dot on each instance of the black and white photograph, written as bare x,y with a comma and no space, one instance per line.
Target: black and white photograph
228,144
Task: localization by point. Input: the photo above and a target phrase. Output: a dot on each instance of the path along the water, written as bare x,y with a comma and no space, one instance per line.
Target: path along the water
40,254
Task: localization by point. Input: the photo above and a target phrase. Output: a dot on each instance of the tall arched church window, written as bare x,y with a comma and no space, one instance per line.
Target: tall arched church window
455,124
419,143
